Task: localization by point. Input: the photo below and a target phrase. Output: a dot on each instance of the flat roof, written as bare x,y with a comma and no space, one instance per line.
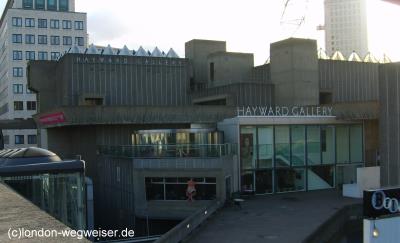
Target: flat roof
289,217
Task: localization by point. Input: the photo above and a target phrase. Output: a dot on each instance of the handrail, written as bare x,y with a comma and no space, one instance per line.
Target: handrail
187,226
168,151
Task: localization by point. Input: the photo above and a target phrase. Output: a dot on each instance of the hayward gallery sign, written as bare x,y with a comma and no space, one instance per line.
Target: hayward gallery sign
284,111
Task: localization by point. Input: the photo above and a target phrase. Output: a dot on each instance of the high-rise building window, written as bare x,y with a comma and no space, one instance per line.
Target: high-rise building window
55,56
29,22
42,55
18,72
79,25
42,23
18,88
67,40
27,4
28,91
42,39
17,21
54,23
31,105
39,4
52,5
32,139
55,40
19,139
66,24
30,55
79,41
29,39
18,105
17,55
63,5
17,38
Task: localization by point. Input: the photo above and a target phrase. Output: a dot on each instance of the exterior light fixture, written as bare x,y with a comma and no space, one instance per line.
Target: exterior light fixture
205,212
375,231
188,226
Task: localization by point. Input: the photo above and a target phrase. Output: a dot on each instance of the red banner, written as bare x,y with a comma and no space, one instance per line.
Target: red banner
52,119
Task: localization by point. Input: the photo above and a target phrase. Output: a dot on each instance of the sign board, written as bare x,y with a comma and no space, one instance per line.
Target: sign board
306,111
52,119
382,202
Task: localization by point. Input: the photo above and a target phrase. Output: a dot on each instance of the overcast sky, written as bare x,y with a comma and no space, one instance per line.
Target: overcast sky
247,26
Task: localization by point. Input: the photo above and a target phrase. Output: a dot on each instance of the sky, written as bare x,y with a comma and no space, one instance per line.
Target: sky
247,26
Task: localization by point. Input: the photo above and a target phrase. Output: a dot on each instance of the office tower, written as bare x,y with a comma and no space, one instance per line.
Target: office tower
32,30
346,27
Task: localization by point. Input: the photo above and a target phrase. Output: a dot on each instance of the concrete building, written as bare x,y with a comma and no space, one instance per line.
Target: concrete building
32,30
346,27
145,124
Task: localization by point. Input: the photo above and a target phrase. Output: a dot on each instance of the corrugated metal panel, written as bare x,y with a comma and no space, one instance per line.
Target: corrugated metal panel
390,124
349,81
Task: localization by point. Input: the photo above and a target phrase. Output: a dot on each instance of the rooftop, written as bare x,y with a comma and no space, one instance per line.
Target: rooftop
275,218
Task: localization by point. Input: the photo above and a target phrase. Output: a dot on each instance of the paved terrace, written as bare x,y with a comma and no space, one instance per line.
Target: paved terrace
275,218
16,212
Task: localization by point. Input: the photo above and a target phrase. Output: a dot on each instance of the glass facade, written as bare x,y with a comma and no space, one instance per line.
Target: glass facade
286,158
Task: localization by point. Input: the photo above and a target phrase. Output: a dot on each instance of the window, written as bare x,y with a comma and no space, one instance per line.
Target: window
66,24
79,41
212,71
39,4
29,39
32,139
28,91
79,25
19,139
55,40
42,39
63,5
42,55
67,40
51,4
18,72
17,38
29,55
27,4
31,105
54,24
18,88
29,22
17,21
55,56
17,55
18,105
42,23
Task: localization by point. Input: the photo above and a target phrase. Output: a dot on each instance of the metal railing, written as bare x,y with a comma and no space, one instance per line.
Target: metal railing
169,151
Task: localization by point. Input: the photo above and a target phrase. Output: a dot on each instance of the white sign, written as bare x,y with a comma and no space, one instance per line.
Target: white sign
284,111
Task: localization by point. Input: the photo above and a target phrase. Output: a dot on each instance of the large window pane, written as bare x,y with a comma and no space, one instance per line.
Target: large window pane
247,180
298,145
342,144
321,177
282,146
265,147
51,4
328,144
39,4
248,153
264,181
289,180
346,174
313,145
356,143
63,5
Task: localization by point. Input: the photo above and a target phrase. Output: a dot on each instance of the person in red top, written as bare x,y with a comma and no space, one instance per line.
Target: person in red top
191,190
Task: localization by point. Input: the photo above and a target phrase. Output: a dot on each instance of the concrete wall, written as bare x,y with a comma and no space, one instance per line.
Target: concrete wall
197,52
349,81
294,72
229,68
389,97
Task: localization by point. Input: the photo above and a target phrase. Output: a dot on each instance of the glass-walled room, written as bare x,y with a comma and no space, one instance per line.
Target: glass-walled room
289,158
